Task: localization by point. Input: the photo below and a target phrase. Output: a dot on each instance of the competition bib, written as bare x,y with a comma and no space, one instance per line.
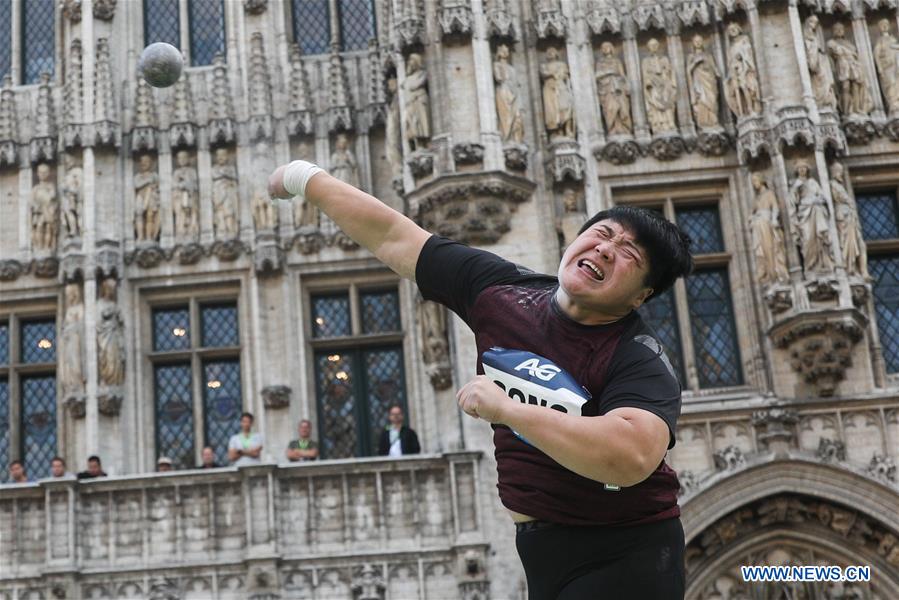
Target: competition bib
532,379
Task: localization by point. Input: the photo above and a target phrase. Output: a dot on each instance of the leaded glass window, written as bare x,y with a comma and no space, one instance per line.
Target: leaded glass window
703,227
5,41
196,357
39,341
714,332
38,424
175,415
4,344
877,213
162,22
311,25
207,30
38,39
885,272
358,379
661,315
222,405
357,24
4,428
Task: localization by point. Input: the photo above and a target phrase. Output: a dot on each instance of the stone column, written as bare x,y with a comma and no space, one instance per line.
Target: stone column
490,136
808,93
761,61
676,55
632,66
866,55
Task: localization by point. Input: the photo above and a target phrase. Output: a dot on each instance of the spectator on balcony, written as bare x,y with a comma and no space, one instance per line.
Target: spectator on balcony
94,469
164,464
58,468
397,439
245,448
209,459
303,448
17,472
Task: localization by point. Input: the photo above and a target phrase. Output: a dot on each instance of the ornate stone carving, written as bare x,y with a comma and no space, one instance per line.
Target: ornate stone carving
260,91
44,212
618,152
190,253
299,118
434,344
882,467
454,18
551,23
106,119
71,360
648,14
558,100
109,403
468,154
692,12
752,137
72,199
340,104
689,482
73,102
810,221
702,75
228,250
820,345
254,7
850,75
659,90
859,130
43,141
77,407
416,112
667,147
393,142
767,235
47,267
475,208
741,86
571,219
499,20
107,259
515,156
793,127
614,91
831,450
221,123
886,52
376,109
71,9
511,122
421,163
849,230
729,458
186,197
147,219
143,136
110,338
775,427
713,142
565,161
276,396
225,198
410,29
148,255
265,210
604,17
343,164
9,125
10,270
104,9
182,131
779,298
818,65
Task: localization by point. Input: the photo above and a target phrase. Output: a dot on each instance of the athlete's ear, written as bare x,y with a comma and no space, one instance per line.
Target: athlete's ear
641,297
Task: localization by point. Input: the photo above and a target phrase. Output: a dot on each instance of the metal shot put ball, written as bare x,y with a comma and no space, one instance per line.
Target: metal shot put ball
160,64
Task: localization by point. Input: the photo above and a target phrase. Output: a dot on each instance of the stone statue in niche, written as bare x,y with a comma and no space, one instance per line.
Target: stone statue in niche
703,76
569,223
767,235
849,230
742,84
146,200
110,336
185,196
225,195
818,65
811,220
71,200
394,140
343,163
886,52
659,90
614,91
306,214
44,211
265,215
854,97
511,124
435,347
558,101
71,361
417,114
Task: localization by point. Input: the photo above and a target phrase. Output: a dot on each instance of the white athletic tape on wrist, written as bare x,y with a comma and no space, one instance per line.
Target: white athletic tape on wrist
297,175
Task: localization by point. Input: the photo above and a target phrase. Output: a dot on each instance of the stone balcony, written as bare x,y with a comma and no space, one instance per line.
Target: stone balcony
363,528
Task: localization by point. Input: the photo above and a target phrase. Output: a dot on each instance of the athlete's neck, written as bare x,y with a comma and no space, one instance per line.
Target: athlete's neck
582,315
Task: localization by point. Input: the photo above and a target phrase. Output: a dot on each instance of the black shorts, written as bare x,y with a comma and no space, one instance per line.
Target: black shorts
569,562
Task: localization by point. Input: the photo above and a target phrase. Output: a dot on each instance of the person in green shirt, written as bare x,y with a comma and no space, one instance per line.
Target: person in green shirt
304,448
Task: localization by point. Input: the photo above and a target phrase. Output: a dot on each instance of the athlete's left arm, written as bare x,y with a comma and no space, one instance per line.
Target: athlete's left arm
622,447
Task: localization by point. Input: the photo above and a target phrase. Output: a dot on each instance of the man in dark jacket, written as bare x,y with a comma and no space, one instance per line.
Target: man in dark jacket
397,439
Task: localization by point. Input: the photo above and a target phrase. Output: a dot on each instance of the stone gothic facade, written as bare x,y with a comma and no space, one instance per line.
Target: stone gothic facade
503,125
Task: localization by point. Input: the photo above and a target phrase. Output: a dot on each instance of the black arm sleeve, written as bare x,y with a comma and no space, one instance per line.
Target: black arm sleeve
453,274
641,376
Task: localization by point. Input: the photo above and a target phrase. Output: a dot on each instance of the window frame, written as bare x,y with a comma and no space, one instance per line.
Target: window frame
17,50
195,357
15,371
184,32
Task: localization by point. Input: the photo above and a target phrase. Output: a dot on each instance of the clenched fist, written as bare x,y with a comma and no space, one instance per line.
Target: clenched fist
483,399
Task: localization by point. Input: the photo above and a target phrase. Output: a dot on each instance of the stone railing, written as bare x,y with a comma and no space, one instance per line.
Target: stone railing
404,528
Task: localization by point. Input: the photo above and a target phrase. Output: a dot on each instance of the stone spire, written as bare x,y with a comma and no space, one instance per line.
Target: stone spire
221,127
260,91
340,114
143,138
9,125
43,142
105,115
377,92
73,115
299,119
182,130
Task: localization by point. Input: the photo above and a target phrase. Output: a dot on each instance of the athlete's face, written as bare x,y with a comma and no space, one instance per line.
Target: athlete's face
602,274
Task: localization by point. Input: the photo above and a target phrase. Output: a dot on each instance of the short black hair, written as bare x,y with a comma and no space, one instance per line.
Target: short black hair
667,247
16,462
246,414
58,458
94,458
